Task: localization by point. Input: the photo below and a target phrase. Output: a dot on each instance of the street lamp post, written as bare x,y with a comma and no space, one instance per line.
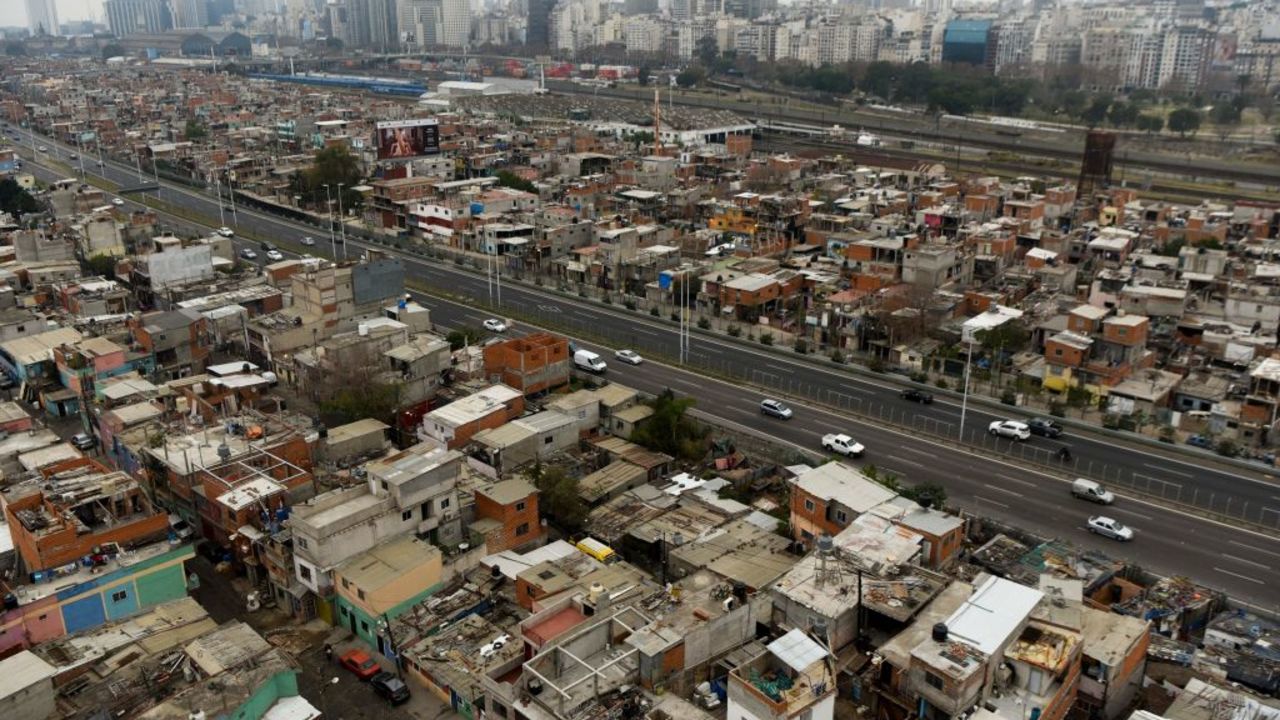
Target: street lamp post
964,402
217,186
342,222
384,624
328,206
324,696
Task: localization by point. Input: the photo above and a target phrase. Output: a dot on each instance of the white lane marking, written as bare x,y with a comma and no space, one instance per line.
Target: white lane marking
1007,491
1253,548
1167,470
643,331
1131,512
780,369
990,502
1028,483
1238,575
915,451
1246,562
895,458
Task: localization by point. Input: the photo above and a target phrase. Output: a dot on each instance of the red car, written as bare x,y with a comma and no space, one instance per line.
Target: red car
359,662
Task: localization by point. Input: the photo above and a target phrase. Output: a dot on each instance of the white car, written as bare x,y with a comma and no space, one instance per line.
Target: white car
117,202
1108,527
495,325
843,445
1010,428
225,231
42,148
630,357
248,254
275,255
309,241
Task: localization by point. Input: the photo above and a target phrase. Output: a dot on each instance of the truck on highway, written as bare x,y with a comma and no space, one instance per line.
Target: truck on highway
842,444
589,361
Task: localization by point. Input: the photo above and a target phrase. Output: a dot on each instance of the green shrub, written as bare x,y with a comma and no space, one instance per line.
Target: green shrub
734,331
919,377
628,304
608,300
1009,397
1227,448
654,311
802,347
942,384
875,364
766,338
837,357
704,324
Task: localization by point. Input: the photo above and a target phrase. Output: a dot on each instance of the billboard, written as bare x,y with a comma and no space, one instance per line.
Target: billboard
405,139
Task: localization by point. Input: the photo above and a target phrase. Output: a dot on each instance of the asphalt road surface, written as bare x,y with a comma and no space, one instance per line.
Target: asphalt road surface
994,477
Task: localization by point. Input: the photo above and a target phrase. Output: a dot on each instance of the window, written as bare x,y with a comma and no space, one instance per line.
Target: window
523,529
1057,352
345,584
360,593
304,572
364,626
406,514
547,440
809,506
934,681
302,543
119,596
444,503
841,517
384,484
520,506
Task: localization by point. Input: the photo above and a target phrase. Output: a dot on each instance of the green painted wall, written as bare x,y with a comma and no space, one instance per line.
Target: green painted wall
366,627
281,685
162,584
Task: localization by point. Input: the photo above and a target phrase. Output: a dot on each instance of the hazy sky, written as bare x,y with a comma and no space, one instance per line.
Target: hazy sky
14,12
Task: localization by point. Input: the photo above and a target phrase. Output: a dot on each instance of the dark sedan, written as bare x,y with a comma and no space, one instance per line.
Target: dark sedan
914,395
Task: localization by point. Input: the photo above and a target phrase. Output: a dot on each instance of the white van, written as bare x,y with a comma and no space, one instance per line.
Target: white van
180,529
589,361
1091,491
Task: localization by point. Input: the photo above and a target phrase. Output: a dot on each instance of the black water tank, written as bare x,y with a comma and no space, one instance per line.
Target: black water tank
940,632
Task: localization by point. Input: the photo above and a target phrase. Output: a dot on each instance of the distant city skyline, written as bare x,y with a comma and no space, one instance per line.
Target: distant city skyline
14,14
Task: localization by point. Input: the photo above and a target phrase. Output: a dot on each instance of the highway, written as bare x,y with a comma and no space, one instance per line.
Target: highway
985,477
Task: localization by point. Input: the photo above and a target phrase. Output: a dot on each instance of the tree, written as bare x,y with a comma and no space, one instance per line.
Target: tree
1073,102
878,80
195,130
1184,121
463,337
669,430
15,200
111,50
347,387
928,494
691,76
1009,336
506,178
102,265
14,48
1079,397
1123,114
332,166
706,50
1097,111
1149,124
644,74
1225,116
558,497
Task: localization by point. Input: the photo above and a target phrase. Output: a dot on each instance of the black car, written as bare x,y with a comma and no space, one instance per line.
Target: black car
914,395
390,687
1044,427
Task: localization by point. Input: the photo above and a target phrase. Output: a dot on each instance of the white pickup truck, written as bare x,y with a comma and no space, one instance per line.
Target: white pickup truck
842,444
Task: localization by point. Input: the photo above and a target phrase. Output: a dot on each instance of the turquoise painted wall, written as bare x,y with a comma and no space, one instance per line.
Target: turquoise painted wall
366,626
281,685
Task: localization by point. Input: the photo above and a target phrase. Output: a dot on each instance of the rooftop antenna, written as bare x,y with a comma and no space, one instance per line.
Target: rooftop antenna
657,122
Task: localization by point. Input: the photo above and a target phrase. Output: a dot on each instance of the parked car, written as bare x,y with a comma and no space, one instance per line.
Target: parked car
248,254
308,241
495,325
117,201
83,441
180,528
630,357
842,444
225,231
359,662
1108,527
390,687
914,395
1091,491
1010,428
42,148
1200,441
73,156
775,408
1045,427
275,255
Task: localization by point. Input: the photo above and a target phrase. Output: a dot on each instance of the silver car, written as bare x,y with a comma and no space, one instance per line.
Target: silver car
1108,527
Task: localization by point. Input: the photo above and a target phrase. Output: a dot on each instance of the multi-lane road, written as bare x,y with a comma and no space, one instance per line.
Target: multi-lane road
991,477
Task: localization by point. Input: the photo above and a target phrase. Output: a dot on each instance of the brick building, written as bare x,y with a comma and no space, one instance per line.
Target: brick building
507,515
532,364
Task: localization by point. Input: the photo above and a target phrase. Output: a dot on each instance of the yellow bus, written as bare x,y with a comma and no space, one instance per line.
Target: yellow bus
597,550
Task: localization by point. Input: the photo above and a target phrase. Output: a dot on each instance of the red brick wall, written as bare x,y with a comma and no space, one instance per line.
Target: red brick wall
506,537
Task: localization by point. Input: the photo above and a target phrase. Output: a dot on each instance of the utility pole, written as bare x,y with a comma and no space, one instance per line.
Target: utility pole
328,204
964,402
342,223
217,186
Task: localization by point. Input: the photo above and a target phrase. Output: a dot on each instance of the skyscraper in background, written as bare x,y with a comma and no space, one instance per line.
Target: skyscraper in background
42,17
538,24
190,13
130,17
